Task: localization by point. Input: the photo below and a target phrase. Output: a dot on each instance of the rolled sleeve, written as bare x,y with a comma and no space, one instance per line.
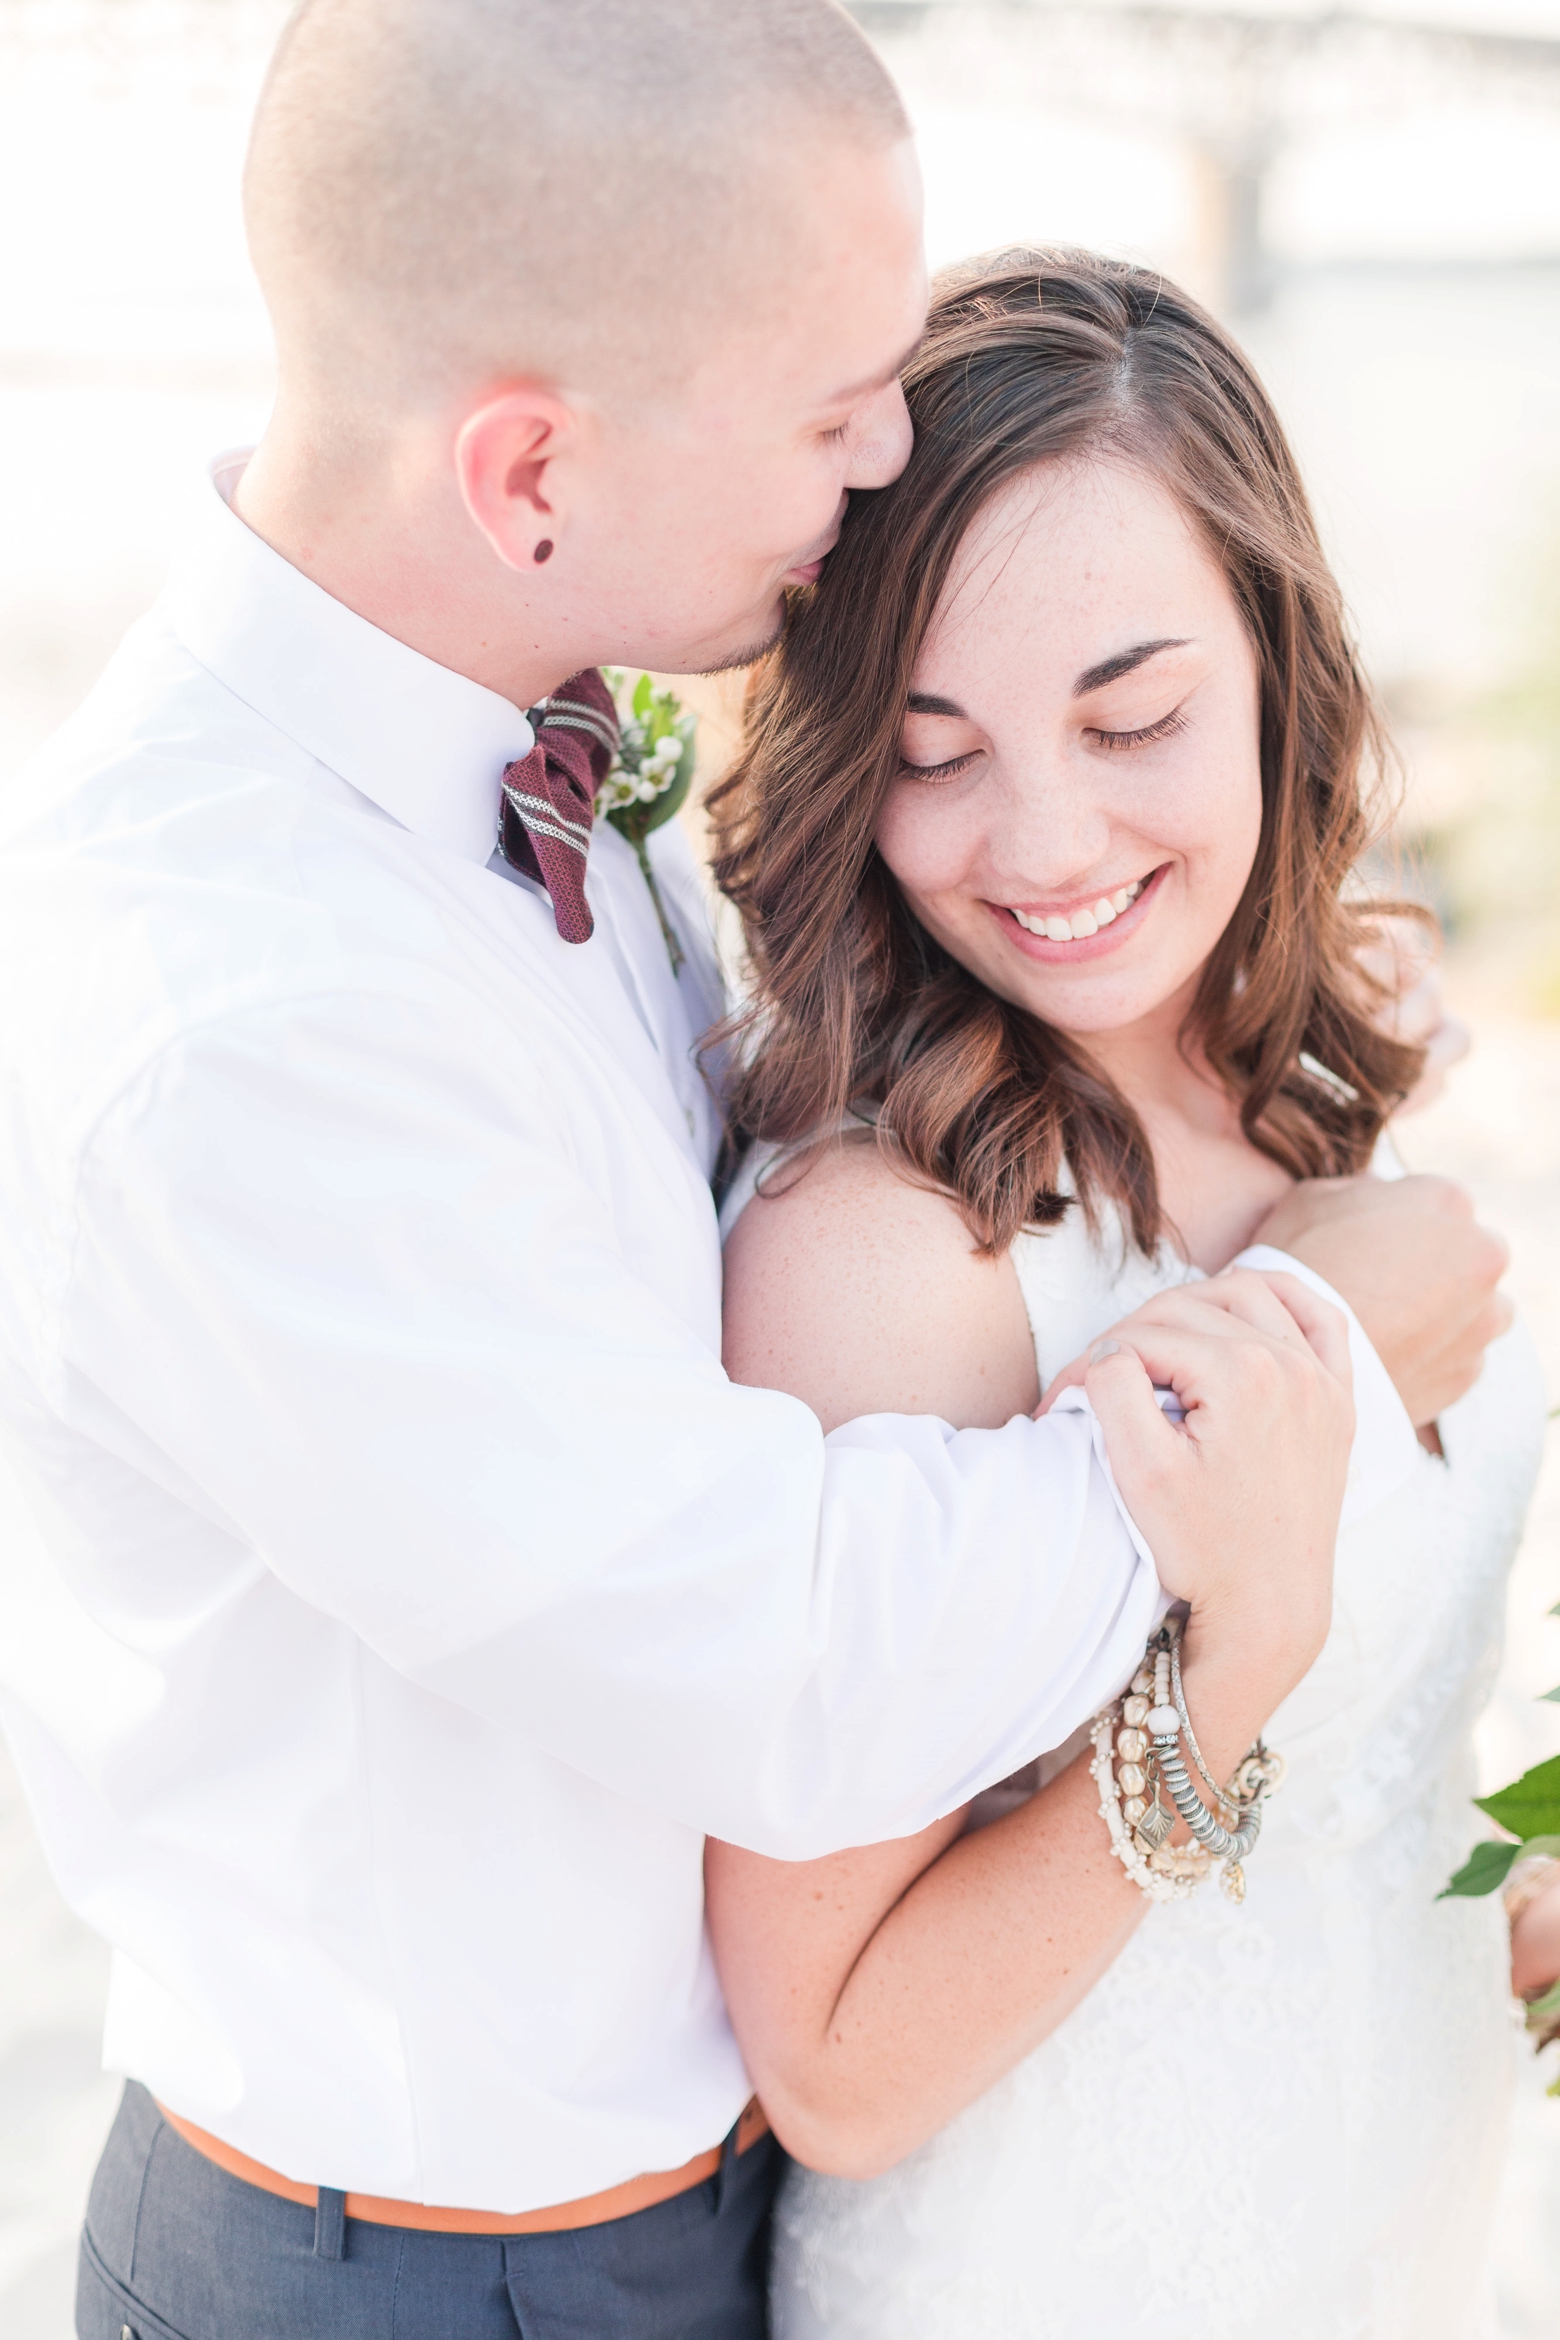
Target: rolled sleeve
387,1327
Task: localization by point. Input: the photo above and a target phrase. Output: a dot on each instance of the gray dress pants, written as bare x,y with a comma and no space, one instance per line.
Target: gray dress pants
175,2249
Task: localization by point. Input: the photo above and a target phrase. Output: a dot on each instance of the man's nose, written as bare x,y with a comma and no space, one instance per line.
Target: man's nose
880,444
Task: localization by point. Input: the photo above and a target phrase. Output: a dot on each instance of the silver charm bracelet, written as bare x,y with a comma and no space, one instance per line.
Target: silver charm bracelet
1147,1739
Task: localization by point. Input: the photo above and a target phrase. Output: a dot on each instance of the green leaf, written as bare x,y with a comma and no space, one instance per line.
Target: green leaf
1531,1805
1554,1612
644,692
671,799
1552,1696
1539,2010
1482,1871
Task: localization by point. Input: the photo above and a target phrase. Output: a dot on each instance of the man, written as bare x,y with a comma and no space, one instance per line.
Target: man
412,1592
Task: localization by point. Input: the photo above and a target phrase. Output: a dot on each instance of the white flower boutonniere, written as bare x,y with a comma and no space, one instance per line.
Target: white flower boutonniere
649,777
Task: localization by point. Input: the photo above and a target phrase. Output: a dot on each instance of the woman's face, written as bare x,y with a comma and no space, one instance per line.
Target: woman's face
1080,797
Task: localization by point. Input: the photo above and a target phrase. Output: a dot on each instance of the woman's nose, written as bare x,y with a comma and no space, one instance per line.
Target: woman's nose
1049,836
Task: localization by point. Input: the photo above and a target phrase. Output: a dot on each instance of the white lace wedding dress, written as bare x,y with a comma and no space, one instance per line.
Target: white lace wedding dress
1283,2121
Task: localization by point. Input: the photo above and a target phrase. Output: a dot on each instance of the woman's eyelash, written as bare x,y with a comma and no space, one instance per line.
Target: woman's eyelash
1165,728
936,772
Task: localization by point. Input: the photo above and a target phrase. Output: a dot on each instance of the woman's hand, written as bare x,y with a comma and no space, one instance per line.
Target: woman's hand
1261,1367
1535,1943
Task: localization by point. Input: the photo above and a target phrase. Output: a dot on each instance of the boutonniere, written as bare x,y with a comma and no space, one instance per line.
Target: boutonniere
649,776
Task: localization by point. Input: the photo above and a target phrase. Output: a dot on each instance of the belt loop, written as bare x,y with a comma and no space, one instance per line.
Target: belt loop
330,2224
728,2162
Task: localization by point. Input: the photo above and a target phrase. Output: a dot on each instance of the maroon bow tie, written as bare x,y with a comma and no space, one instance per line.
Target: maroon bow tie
550,797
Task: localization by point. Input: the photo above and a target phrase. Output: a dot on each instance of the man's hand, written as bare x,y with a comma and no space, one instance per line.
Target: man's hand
1405,962
1415,1266
1240,1503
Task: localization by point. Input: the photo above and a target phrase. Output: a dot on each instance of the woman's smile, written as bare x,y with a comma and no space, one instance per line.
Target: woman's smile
1083,929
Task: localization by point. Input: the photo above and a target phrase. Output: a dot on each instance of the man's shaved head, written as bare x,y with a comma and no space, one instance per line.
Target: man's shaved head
443,194
590,316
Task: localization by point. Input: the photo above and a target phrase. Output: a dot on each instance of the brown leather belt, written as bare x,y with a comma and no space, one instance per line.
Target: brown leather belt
637,2193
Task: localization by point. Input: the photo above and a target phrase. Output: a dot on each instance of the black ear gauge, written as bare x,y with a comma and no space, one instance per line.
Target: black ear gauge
544,549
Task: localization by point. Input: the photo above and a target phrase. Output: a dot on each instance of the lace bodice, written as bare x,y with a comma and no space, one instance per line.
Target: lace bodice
1283,2121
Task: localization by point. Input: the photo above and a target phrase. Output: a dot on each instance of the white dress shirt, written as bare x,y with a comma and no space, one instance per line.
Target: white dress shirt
410,1590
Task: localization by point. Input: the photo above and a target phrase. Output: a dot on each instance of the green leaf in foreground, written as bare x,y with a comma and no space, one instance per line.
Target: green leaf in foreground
1531,1805
1552,1697
1484,1869
1541,2009
1488,1863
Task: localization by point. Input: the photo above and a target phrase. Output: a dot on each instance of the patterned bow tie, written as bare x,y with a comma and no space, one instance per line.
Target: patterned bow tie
550,797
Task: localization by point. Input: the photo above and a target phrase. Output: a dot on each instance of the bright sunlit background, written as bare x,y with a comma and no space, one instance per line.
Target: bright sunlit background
1371,199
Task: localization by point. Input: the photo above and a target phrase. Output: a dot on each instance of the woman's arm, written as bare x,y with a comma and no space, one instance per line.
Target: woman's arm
878,1991
862,1294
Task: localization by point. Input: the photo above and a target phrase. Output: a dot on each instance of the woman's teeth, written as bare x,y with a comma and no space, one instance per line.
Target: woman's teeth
1083,922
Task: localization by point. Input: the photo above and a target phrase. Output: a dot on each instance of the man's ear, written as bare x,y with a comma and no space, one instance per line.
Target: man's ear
507,461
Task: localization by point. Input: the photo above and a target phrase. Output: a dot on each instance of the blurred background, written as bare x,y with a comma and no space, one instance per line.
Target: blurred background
1370,197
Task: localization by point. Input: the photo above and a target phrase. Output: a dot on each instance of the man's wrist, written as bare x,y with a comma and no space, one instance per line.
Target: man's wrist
1386,1449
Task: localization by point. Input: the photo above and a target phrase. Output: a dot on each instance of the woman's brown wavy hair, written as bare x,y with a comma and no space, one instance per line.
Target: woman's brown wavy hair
1035,357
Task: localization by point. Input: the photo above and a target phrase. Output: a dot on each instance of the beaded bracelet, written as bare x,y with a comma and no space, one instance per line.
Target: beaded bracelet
1230,1826
1144,1730
1150,1872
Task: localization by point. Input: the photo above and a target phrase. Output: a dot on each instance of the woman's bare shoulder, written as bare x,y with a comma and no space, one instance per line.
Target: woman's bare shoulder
862,1293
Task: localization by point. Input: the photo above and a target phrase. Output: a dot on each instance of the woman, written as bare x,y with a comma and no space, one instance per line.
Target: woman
1044,835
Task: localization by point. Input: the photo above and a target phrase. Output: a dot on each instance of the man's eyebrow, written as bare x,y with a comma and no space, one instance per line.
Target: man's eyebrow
925,703
1109,670
855,390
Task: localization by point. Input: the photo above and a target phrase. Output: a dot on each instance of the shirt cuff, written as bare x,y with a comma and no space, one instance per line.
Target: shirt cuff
1386,1450
1075,1400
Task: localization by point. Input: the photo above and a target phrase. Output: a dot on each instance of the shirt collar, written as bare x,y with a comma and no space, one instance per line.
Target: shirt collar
425,744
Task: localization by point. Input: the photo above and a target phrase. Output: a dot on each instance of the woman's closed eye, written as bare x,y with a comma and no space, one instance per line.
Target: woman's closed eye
1146,734
948,770
936,771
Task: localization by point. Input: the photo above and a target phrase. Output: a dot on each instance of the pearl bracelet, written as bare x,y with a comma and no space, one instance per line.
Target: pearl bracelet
1161,1881
1144,1730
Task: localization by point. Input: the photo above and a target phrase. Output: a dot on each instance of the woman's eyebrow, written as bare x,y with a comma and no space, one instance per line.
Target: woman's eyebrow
1093,678
1111,670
